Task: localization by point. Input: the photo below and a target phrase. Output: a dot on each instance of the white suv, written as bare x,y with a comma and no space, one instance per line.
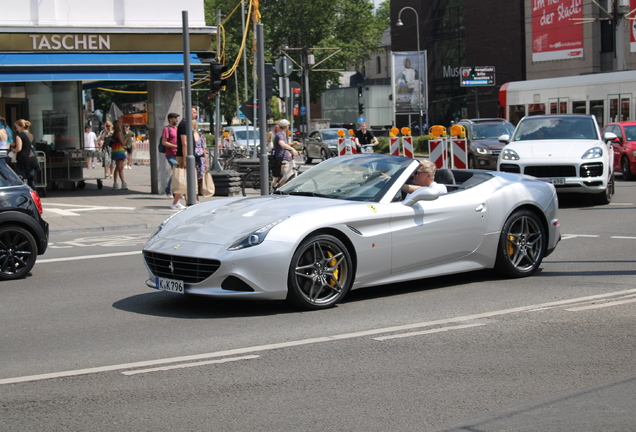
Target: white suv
566,150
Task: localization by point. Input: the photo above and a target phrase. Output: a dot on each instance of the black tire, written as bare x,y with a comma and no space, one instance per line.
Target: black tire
252,180
323,155
605,197
18,252
306,157
626,169
100,184
320,273
81,184
522,245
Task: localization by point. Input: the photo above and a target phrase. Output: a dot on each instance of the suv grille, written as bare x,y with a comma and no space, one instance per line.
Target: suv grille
187,269
592,170
551,171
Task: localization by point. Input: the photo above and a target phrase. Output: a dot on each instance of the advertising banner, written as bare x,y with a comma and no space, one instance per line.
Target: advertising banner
409,77
632,30
557,32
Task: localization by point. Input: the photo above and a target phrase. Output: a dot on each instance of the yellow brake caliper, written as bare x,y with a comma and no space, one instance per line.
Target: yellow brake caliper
511,245
332,263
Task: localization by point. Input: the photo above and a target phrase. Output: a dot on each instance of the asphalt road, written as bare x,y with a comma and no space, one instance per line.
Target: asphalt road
85,346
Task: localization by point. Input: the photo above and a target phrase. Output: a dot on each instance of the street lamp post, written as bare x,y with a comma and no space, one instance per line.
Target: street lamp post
399,23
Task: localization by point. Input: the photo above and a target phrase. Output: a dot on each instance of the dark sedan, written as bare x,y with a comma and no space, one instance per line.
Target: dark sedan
322,144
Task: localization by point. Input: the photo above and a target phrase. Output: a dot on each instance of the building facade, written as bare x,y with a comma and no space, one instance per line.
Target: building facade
53,51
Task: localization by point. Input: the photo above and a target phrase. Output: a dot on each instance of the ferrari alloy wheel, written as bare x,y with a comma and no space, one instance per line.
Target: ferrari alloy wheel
521,245
320,273
626,169
18,252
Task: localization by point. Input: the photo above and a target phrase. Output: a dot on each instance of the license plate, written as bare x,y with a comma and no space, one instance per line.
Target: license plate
170,285
557,181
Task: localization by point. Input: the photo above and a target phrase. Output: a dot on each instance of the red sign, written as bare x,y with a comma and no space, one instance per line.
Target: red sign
557,32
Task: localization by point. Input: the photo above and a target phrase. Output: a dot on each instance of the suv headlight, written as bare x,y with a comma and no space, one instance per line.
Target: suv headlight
483,150
593,153
509,154
255,237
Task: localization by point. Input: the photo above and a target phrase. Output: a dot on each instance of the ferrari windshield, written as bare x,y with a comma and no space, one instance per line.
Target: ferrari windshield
352,177
551,128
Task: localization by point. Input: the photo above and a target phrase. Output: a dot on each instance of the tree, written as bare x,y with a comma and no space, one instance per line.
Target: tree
346,24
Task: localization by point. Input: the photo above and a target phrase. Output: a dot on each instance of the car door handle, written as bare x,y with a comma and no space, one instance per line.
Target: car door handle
480,208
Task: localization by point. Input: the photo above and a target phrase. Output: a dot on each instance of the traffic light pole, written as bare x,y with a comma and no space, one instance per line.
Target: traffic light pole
191,169
216,165
262,113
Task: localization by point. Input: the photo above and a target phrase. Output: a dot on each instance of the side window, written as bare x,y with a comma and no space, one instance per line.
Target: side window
618,131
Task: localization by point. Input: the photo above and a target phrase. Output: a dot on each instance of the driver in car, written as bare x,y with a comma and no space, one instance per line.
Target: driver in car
424,176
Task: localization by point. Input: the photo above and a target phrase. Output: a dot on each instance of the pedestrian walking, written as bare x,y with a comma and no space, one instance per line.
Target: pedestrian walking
129,145
90,140
105,138
200,159
26,161
118,155
169,140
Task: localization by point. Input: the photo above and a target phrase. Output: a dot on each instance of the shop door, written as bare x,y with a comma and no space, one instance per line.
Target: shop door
15,109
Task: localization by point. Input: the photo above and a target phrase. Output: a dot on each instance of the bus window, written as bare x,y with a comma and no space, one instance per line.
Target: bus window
536,109
613,108
558,106
578,107
625,99
596,109
516,113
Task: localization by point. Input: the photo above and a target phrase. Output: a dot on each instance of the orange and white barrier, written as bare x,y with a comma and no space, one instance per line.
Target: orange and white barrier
407,146
395,146
342,148
437,152
460,156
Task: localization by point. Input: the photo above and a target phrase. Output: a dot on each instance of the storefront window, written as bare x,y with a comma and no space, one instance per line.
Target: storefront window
596,109
54,113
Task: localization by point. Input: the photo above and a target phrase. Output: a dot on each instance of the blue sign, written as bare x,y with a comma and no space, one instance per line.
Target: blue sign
361,120
240,113
303,110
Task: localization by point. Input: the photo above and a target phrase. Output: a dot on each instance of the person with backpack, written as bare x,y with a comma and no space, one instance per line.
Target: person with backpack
169,141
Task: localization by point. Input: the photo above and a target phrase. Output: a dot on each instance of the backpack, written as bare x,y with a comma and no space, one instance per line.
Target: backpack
162,148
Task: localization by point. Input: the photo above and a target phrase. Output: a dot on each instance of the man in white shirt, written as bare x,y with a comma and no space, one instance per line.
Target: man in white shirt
424,177
89,144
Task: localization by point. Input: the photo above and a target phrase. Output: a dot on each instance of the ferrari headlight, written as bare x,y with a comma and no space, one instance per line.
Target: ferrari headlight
593,153
160,226
255,237
509,154
482,150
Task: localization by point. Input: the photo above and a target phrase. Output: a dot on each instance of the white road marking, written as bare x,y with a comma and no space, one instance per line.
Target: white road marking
437,330
602,305
622,237
83,257
621,204
303,342
188,365
570,236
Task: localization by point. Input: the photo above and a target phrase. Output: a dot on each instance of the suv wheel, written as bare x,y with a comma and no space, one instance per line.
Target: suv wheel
18,252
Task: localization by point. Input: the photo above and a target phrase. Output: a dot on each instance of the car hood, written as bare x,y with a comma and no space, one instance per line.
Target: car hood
224,221
553,148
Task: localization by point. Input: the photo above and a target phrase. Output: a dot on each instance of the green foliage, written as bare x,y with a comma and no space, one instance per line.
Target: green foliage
348,25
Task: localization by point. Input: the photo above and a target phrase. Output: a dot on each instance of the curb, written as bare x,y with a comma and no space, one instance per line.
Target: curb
102,228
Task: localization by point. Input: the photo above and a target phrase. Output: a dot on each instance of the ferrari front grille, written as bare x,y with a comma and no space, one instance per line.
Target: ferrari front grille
187,269
551,171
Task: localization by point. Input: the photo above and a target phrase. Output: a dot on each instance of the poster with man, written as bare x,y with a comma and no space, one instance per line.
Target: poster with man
409,74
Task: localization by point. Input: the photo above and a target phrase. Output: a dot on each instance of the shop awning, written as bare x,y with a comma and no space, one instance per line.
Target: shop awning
93,67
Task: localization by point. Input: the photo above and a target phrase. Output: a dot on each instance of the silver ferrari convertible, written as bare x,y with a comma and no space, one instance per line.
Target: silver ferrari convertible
345,224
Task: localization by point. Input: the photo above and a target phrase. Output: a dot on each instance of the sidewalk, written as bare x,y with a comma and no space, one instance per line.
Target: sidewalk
91,209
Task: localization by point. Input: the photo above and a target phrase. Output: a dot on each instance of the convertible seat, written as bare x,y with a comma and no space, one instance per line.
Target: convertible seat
444,176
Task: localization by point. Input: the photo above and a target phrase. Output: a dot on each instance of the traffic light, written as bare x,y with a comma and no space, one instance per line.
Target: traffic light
217,82
360,108
359,90
268,79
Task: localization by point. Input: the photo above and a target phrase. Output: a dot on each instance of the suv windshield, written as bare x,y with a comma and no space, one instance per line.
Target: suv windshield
491,131
549,128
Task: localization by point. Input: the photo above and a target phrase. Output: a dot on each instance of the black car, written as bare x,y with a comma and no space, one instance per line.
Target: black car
482,140
23,233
